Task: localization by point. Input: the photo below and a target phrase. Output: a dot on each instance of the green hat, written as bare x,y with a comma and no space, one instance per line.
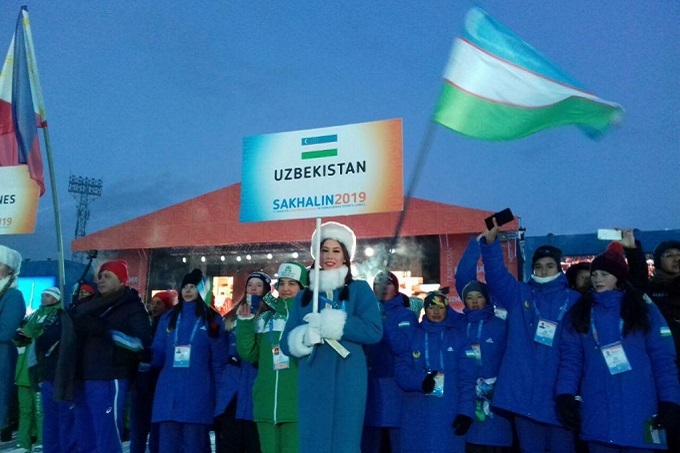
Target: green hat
294,271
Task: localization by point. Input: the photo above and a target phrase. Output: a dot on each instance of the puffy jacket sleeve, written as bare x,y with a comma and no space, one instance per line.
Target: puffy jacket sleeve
398,334
12,311
661,351
467,266
409,371
570,368
294,320
467,379
500,281
364,325
159,341
637,265
219,352
247,345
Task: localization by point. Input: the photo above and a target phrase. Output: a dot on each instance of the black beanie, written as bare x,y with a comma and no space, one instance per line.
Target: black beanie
194,277
574,269
661,248
266,280
550,252
480,287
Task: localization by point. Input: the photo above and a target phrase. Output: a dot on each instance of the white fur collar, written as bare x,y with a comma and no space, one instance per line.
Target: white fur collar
3,282
330,279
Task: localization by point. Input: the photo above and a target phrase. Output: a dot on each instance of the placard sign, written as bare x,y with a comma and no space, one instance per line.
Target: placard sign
333,171
19,196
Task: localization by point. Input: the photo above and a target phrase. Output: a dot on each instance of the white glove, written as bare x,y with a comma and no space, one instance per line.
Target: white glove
313,319
312,336
332,323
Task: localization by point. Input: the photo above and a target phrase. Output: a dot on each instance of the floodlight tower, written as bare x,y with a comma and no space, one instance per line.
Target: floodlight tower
84,190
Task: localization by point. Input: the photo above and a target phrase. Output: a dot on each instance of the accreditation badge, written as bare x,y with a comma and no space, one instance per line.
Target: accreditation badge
475,353
281,360
616,359
545,332
182,356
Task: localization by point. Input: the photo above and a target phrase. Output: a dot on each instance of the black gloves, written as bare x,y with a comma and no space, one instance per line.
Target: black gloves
89,325
668,416
428,382
567,409
461,424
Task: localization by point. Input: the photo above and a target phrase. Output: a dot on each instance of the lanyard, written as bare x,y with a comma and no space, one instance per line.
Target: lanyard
193,332
563,309
479,330
427,351
594,330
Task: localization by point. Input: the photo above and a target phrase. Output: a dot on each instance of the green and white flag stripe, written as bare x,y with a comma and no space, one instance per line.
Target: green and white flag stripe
497,87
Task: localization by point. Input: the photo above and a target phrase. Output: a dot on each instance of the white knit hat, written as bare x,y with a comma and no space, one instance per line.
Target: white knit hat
54,292
339,232
11,258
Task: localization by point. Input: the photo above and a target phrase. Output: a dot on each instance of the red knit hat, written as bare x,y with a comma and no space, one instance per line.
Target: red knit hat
612,261
118,267
168,297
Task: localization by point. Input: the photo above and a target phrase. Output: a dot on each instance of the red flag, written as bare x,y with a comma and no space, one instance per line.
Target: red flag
21,106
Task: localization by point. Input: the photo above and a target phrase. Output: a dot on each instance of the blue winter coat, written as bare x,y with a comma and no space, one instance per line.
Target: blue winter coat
187,395
236,380
466,271
427,419
615,407
12,311
526,378
482,327
384,401
332,390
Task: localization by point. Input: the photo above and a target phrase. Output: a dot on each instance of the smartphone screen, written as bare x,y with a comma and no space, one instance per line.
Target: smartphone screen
502,217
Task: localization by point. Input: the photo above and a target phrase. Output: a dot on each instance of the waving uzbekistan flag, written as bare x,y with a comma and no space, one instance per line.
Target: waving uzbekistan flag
497,87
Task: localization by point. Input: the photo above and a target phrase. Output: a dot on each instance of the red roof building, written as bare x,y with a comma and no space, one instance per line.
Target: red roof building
205,232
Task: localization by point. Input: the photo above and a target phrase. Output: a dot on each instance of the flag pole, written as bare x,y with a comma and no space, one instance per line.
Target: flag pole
423,152
57,218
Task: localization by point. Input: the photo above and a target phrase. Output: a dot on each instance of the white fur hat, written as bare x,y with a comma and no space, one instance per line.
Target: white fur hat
10,258
339,232
54,292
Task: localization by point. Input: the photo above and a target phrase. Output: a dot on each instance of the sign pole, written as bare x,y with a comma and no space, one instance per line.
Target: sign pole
317,266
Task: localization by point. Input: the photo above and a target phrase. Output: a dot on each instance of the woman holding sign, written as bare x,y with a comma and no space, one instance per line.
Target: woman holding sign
617,351
332,388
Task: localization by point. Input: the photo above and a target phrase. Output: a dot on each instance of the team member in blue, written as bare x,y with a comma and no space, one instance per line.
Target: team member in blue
332,389
190,347
618,353
439,382
384,400
485,342
536,310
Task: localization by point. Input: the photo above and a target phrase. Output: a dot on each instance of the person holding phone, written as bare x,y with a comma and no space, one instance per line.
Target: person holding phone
535,318
617,353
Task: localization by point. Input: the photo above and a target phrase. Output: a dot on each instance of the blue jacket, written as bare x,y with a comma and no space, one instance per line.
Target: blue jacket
187,395
615,407
12,311
236,380
427,419
526,378
332,390
482,327
384,401
466,271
